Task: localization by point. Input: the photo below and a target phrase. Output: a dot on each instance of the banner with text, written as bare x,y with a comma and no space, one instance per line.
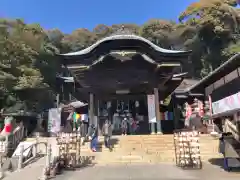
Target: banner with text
226,104
54,120
151,109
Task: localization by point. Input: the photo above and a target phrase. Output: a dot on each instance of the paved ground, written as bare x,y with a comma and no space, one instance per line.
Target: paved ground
32,172
147,172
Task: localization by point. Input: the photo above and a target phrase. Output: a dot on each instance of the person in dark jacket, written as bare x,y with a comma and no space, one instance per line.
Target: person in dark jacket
107,133
93,136
124,126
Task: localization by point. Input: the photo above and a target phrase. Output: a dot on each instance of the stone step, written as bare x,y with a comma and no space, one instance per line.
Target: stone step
144,149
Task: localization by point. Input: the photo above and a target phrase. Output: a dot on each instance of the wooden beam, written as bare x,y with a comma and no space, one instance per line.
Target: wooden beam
157,103
91,108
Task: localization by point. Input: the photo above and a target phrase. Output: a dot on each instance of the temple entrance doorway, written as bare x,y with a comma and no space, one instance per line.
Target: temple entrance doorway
133,109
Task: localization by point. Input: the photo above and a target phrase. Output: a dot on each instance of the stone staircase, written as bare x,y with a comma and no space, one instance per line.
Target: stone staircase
141,149
145,149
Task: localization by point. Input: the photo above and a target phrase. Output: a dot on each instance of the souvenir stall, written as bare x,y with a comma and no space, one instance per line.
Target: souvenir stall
69,149
187,149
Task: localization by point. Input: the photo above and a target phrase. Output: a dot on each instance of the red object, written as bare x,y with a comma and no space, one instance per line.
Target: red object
188,111
8,128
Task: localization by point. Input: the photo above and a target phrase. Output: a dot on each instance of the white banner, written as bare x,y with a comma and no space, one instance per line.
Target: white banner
54,120
226,104
151,109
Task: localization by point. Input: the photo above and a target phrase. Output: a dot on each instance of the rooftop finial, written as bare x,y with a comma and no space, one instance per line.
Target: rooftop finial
123,31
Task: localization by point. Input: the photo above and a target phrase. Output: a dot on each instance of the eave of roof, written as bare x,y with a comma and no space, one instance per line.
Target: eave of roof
126,37
214,73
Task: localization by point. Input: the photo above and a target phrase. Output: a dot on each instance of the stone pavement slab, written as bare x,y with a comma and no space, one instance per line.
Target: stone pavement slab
31,172
146,172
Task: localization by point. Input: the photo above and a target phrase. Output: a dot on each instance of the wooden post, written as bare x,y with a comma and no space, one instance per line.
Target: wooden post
157,109
91,109
20,159
1,168
36,146
46,168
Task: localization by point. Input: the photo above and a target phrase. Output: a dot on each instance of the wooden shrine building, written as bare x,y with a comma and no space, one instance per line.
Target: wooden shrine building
116,74
219,95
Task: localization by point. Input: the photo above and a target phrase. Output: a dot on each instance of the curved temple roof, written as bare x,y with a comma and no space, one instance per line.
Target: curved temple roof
123,37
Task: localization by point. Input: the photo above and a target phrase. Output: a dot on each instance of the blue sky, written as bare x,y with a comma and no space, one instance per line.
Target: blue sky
68,15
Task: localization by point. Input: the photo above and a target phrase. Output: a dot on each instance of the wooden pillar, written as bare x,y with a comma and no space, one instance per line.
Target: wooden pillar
176,116
91,109
157,109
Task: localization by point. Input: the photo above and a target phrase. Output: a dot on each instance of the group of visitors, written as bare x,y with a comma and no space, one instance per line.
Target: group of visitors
93,135
90,131
129,125
76,122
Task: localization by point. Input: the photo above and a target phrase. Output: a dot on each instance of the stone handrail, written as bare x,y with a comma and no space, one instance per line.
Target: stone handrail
230,127
35,154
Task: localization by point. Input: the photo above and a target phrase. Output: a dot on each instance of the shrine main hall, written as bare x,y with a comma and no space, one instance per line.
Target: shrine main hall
125,75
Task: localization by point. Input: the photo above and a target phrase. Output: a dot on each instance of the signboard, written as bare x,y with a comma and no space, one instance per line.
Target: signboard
226,104
54,120
151,109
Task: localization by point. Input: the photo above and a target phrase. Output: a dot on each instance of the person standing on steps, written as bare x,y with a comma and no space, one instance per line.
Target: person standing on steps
93,137
124,126
107,133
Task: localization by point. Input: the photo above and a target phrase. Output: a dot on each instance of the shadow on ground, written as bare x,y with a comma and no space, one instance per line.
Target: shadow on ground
220,163
112,144
86,161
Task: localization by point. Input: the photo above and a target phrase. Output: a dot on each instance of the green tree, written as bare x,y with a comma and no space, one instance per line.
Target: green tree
216,23
23,47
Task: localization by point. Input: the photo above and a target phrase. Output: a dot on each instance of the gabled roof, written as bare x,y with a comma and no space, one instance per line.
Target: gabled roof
124,37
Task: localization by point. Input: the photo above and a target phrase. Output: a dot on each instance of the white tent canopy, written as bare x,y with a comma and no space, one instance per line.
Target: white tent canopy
77,104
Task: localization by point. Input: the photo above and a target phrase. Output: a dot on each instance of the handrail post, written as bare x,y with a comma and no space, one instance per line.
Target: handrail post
6,144
49,154
1,167
20,159
47,165
34,150
36,146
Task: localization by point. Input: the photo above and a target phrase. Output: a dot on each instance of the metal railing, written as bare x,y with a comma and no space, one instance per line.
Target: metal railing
35,153
24,161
